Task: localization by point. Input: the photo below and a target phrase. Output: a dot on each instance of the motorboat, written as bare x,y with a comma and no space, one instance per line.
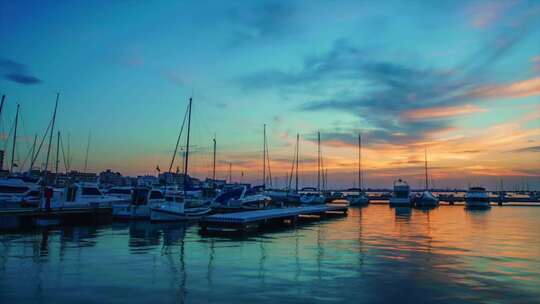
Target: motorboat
477,198
13,190
241,198
177,211
142,199
401,196
123,193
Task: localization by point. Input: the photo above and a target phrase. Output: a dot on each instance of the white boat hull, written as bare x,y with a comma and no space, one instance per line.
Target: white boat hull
131,211
164,214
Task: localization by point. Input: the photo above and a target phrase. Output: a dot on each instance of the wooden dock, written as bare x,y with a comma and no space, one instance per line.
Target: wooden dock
36,212
253,220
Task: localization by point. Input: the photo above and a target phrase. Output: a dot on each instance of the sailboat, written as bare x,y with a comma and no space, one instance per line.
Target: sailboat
361,198
309,196
426,199
172,210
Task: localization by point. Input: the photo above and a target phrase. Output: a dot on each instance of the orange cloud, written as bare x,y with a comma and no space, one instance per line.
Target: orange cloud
441,112
524,88
536,63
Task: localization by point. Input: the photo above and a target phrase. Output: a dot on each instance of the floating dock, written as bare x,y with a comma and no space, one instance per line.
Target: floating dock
36,212
252,220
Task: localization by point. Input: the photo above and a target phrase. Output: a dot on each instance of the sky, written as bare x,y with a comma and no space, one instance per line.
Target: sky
460,79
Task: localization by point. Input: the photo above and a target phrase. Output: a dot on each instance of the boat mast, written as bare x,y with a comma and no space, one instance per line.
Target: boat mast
230,173
425,162
360,161
14,140
264,158
50,139
297,148
57,154
87,149
214,164
187,146
318,161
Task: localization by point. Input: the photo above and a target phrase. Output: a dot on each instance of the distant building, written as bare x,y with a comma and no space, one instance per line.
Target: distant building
171,178
82,177
147,180
110,178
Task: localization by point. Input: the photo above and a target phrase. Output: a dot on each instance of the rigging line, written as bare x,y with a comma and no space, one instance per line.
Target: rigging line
269,171
178,141
292,170
40,144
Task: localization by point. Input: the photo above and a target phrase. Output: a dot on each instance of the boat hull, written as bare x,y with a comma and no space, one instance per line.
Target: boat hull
165,215
400,202
131,211
477,204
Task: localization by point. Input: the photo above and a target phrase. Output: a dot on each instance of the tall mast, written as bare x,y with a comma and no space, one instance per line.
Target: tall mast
87,150
51,137
360,161
57,153
318,161
264,158
297,148
425,161
187,146
214,164
230,173
14,140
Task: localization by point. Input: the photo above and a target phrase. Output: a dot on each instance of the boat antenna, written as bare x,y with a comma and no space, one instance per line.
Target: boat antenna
360,161
187,146
50,139
230,172
14,140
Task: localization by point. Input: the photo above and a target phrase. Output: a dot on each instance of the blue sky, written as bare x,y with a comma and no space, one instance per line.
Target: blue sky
453,75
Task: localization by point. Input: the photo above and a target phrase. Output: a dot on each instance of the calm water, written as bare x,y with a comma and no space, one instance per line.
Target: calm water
375,255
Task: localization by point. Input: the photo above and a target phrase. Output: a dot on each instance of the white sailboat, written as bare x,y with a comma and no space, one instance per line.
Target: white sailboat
180,210
359,199
426,199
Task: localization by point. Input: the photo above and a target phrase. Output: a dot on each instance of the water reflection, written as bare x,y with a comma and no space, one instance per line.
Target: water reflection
376,254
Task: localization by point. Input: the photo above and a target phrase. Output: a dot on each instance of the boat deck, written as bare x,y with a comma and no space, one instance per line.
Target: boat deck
251,220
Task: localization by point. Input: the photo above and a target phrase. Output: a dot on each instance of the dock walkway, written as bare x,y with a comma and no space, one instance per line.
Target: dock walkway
251,220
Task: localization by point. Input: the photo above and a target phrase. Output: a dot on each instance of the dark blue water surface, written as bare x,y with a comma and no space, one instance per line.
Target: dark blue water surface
375,255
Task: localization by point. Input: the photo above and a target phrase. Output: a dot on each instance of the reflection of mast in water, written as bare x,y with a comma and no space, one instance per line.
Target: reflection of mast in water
262,271
361,254
210,263
296,256
320,251
182,291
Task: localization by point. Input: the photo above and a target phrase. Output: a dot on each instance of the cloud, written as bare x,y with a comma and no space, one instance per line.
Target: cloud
535,149
17,72
440,112
264,20
536,63
519,89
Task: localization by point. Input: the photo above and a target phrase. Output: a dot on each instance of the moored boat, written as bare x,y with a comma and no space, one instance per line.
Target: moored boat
477,198
401,196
